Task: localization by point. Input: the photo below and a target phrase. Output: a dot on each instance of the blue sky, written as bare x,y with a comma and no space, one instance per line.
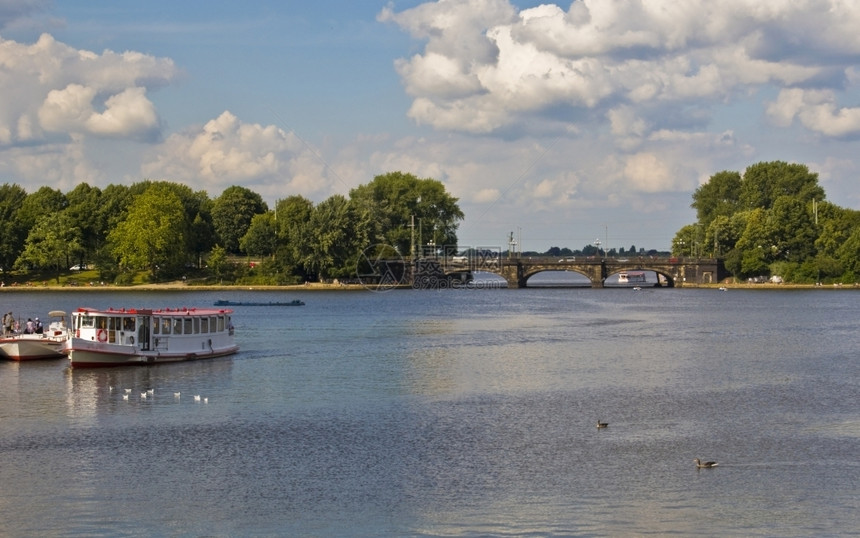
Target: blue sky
561,122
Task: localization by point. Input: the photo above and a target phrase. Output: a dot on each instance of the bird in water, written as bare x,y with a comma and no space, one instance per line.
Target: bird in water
601,425
704,464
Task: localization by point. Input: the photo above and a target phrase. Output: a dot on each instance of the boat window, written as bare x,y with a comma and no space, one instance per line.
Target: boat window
128,324
187,326
87,321
114,324
220,323
165,325
213,324
177,325
196,325
101,322
204,325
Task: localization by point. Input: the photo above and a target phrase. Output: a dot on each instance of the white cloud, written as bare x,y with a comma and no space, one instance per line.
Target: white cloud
438,75
454,28
227,151
627,126
59,165
221,152
126,114
816,110
50,88
605,55
648,173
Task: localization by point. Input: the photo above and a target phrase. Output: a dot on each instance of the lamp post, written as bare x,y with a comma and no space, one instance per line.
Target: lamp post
412,245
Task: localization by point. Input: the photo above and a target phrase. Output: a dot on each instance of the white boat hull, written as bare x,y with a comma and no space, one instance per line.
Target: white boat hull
88,354
28,349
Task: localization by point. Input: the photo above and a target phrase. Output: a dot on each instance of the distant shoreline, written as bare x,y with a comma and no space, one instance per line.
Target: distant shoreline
179,286
315,286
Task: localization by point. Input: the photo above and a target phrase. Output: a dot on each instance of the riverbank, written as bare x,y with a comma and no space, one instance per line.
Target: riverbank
318,286
179,285
770,286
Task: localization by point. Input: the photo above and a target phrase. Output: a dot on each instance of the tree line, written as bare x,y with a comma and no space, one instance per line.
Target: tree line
773,220
167,230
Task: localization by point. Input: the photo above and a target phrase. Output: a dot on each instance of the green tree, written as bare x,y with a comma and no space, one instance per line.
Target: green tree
764,182
718,197
51,243
232,213
849,255
688,241
260,239
43,201
293,215
764,221
338,230
202,236
12,232
794,231
396,198
83,212
197,230
217,261
719,236
149,235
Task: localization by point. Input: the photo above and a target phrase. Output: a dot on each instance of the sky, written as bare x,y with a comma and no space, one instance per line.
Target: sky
560,123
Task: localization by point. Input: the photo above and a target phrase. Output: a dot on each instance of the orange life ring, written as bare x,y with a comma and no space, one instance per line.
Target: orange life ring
101,334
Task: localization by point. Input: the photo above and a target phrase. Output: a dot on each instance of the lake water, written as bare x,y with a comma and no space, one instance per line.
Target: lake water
454,413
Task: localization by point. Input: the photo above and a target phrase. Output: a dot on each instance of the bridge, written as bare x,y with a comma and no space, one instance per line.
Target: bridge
673,272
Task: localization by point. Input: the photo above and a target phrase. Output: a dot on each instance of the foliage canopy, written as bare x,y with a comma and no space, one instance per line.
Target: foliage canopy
772,220
167,230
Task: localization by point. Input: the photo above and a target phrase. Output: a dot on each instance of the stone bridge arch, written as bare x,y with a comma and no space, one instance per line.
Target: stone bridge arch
590,275
661,271
675,272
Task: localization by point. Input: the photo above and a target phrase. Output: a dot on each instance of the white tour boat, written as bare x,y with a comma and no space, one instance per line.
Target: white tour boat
629,277
48,344
144,336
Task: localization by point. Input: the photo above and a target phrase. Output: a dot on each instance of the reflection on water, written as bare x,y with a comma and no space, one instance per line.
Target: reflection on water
454,413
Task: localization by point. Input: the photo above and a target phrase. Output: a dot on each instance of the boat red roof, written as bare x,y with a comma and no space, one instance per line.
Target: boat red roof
182,311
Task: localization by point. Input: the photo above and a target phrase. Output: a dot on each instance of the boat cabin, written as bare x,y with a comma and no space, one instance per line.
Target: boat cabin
149,329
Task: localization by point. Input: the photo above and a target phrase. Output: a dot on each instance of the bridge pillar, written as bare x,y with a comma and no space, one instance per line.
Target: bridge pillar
513,275
598,275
